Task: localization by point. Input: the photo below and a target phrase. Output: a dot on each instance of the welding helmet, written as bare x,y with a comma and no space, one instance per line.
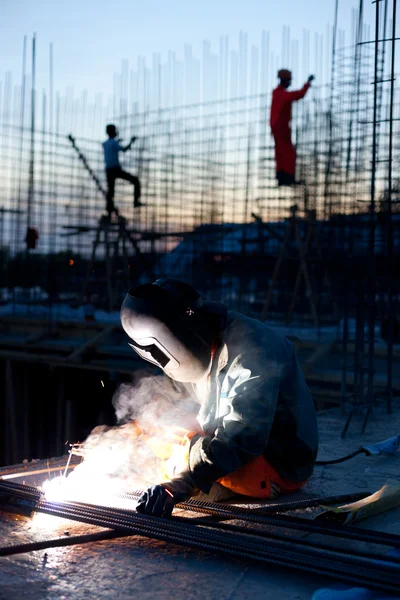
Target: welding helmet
166,321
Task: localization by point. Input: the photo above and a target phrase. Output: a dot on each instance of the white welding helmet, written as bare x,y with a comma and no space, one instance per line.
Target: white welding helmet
167,326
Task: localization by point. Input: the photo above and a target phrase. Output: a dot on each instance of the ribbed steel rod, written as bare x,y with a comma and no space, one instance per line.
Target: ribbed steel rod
278,520
72,540
201,522
250,515
244,514
382,575
127,513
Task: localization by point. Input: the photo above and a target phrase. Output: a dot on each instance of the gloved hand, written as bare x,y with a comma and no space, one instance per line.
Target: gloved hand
159,500
133,139
311,78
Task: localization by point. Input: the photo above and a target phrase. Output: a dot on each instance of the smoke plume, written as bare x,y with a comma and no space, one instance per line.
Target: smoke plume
155,401
123,458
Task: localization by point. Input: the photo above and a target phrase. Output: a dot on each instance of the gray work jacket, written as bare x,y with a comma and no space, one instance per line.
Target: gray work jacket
255,401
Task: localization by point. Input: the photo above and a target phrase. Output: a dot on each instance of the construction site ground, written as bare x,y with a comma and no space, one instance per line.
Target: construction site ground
138,567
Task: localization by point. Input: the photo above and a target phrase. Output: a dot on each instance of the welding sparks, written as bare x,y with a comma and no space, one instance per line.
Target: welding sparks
67,465
121,459
102,382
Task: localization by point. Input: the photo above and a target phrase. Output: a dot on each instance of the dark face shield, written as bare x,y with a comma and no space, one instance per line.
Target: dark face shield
175,340
151,350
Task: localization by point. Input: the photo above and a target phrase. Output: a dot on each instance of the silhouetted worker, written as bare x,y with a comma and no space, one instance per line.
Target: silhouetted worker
111,149
281,114
257,428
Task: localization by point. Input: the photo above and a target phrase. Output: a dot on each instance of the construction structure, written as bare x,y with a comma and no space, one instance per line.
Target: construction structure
322,256
208,178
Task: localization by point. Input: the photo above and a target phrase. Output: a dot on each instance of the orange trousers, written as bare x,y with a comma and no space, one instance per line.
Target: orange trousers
254,479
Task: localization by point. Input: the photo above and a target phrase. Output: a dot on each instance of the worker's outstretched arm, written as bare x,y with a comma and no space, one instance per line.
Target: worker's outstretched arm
299,94
128,147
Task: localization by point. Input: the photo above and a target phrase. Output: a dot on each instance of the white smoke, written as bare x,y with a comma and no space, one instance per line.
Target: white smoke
155,401
120,458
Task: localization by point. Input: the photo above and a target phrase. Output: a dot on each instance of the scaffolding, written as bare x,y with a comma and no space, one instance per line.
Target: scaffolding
212,212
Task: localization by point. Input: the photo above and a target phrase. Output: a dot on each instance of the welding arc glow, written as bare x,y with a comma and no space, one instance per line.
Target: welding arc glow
105,472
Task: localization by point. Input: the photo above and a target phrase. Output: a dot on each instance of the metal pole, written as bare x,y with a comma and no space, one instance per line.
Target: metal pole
32,153
52,208
355,98
21,142
390,225
330,123
372,265
245,212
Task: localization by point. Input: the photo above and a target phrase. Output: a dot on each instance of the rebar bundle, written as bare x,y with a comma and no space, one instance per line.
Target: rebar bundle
377,571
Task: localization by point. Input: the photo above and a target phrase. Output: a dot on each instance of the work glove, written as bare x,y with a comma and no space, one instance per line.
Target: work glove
159,500
311,78
133,139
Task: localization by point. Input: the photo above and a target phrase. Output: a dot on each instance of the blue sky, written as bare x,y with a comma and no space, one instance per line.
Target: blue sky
91,37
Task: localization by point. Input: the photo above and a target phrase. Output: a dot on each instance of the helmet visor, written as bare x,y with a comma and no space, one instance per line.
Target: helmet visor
151,350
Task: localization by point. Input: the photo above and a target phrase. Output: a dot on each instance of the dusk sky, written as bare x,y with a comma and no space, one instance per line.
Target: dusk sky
91,37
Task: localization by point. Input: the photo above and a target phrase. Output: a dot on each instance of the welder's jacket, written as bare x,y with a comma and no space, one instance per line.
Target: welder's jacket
254,403
281,114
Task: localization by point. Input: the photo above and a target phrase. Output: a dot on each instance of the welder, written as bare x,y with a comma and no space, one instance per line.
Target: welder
281,114
257,423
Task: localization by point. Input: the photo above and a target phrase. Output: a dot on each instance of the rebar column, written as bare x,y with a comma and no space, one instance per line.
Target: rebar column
390,256
371,253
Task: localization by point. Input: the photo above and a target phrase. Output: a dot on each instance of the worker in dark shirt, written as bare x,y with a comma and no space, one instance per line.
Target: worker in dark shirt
111,148
281,114
257,423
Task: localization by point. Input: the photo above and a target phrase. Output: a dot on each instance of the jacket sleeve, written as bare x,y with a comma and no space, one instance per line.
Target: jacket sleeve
245,413
297,94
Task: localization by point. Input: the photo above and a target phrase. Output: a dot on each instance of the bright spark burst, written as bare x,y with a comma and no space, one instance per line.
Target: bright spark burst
118,460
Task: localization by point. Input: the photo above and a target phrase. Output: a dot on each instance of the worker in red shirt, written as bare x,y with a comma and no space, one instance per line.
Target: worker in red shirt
281,114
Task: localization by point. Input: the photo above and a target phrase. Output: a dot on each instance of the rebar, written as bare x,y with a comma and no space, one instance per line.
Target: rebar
376,571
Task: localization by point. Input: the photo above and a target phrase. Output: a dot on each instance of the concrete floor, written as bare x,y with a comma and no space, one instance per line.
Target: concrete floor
135,567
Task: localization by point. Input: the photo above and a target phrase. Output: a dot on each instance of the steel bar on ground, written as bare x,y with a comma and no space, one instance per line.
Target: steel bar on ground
382,573
250,515
56,543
